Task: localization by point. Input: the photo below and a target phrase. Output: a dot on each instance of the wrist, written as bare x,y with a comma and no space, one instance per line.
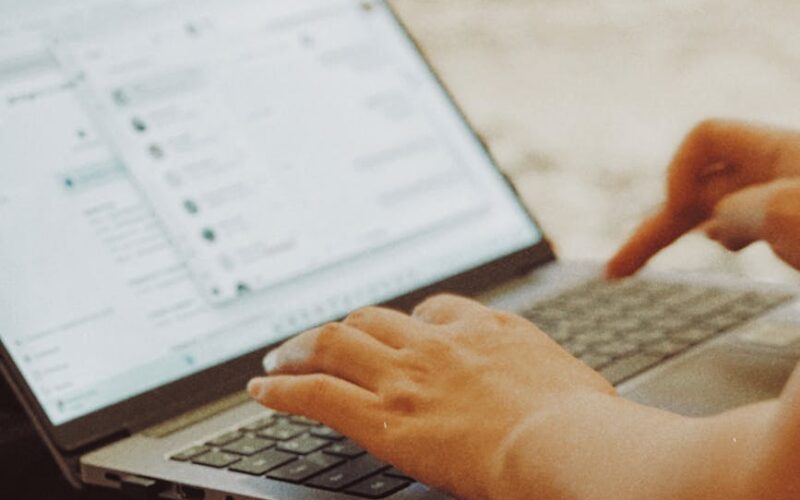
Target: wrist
600,446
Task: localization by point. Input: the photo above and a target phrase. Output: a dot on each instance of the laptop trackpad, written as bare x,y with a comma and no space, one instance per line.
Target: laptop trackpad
713,381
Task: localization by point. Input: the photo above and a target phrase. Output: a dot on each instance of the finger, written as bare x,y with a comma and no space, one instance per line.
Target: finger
334,402
782,226
335,349
738,219
720,157
393,328
717,158
731,240
651,237
444,309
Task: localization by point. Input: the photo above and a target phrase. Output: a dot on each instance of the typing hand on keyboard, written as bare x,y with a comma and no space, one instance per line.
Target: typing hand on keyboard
441,394
483,404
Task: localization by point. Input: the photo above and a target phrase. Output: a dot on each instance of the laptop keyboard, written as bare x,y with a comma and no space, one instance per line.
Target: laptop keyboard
620,329
623,328
301,451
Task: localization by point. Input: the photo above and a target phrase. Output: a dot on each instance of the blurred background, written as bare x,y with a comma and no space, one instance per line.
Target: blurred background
583,103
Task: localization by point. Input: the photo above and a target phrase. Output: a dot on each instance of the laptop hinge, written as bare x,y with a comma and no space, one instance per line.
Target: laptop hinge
197,415
101,442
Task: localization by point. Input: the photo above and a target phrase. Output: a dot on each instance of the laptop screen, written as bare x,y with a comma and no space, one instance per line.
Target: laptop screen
182,183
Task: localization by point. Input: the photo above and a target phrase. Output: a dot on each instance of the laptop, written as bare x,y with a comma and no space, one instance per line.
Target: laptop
185,185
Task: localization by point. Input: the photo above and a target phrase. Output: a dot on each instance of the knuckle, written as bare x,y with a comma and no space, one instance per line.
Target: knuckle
440,302
437,300
317,389
704,130
362,315
437,347
402,399
503,319
416,365
327,337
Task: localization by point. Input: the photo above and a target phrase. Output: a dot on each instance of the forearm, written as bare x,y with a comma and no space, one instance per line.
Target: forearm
601,447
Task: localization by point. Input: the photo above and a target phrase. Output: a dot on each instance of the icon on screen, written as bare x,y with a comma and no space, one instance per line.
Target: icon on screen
139,125
191,207
156,151
209,235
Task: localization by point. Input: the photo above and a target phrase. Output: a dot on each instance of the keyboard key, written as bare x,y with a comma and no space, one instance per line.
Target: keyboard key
628,367
617,349
638,323
596,361
263,462
297,471
709,303
598,337
259,423
306,467
216,459
623,324
670,322
694,335
224,439
723,322
326,433
249,446
560,333
303,445
282,431
378,487
650,335
299,420
346,449
577,347
667,348
395,472
747,309
771,300
323,460
189,454
346,474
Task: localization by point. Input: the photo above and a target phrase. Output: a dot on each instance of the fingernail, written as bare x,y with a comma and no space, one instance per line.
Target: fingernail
256,388
271,361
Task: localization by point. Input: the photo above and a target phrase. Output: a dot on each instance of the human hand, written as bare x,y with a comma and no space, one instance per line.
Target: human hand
724,179
482,404
769,212
441,394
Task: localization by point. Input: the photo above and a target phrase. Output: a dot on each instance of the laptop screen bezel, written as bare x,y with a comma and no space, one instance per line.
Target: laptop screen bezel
181,396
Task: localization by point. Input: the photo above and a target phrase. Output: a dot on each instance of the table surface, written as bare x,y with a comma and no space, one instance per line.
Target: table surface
583,103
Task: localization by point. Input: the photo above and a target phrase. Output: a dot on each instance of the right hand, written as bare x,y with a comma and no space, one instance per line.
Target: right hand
725,178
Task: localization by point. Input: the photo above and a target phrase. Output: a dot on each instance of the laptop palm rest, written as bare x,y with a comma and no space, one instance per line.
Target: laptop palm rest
714,380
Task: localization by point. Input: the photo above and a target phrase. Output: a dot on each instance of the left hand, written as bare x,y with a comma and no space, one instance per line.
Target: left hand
439,394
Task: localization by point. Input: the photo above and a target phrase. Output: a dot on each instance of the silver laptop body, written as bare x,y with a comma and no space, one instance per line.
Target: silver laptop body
124,430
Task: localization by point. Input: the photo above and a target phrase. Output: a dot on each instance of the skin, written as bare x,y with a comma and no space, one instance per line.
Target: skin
484,405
